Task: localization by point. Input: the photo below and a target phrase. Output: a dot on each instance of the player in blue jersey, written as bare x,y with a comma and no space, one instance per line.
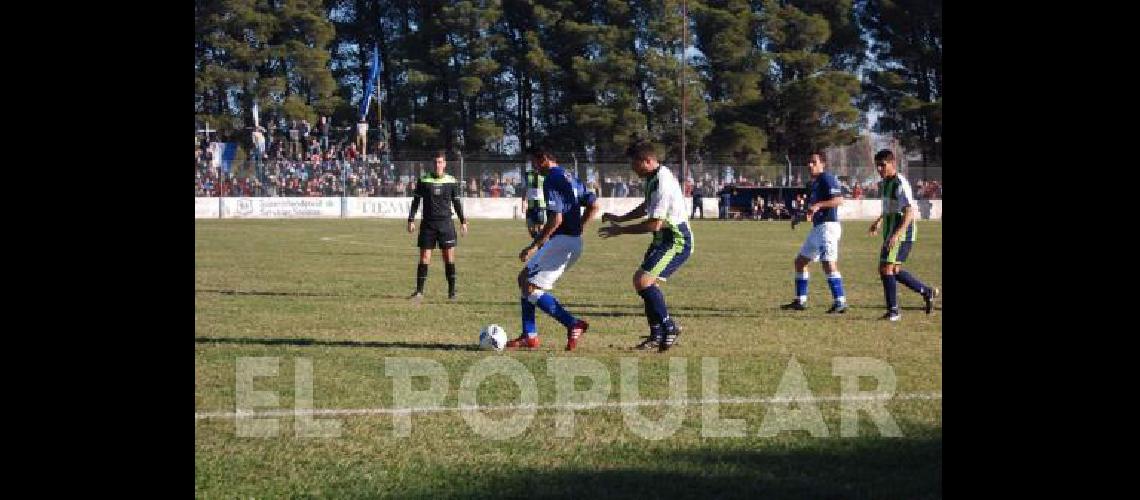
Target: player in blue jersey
824,198
554,250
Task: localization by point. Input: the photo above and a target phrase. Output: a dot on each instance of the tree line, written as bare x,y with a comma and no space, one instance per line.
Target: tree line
764,79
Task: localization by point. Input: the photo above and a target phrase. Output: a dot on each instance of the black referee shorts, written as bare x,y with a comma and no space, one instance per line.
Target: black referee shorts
439,233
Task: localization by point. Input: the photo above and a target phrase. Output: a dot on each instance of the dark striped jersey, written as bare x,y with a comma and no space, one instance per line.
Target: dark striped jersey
535,198
897,195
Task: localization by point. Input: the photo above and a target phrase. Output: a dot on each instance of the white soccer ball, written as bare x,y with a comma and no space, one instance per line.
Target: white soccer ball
493,337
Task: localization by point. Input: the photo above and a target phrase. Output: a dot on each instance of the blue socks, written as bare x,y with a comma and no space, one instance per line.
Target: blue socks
550,305
802,286
911,282
835,282
528,324
655,307
890,291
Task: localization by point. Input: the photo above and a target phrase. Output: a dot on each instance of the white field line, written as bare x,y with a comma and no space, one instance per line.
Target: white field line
562,406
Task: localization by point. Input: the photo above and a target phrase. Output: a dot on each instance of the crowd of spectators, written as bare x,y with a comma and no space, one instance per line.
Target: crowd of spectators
299,159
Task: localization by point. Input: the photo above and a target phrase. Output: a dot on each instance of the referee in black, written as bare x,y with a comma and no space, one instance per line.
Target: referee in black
439,191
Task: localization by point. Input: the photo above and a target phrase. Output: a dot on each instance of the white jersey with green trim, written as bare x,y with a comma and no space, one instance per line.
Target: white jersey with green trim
664,198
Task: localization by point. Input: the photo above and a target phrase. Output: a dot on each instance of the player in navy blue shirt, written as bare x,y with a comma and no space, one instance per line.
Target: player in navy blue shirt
554,251
824,197
566,195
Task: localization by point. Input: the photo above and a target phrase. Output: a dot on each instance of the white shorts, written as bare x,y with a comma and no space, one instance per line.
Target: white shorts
823,242
553,259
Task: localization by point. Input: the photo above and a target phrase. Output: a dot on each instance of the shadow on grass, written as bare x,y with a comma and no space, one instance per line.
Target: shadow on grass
570,305
834,467
337,343
296,294
689,311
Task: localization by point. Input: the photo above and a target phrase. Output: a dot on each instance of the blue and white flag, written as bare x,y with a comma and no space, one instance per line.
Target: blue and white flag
370,83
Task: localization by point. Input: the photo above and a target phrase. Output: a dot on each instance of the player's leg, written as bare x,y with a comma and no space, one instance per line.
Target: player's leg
533,223
661,262
835,283
830,259
449,270
538,221
657,255
652,255
543,270
426,241
645,285
801,280
927,292
421,273
888,266
810,251
529,336
447,246
543,299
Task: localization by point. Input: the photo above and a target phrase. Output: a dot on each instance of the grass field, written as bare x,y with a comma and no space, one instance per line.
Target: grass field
331,292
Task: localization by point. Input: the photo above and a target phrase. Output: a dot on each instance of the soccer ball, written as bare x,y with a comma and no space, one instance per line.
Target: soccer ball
493,337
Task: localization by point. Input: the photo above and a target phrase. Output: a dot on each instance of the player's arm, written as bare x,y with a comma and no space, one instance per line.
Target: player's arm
554,205
896,236
836,199
645,226
908,217
458,204
636,213
553,220
592,208
415,207
875,225
833,202
655,211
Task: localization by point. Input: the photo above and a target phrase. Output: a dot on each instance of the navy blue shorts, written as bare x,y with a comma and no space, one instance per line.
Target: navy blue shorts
534,217
670,249
897,255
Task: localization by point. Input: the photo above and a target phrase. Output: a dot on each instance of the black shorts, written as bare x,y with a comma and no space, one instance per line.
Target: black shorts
437,233
535,216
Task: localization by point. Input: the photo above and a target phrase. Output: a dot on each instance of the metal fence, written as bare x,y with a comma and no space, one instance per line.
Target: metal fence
381,176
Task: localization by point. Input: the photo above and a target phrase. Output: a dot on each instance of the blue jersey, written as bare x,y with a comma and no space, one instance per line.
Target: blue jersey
566,195
824,187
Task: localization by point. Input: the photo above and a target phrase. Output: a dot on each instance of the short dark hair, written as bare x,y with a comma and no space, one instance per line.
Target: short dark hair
541,150
822,157
641,150
884,155
440,154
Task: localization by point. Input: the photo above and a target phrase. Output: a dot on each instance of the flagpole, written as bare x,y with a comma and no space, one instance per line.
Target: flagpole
684,96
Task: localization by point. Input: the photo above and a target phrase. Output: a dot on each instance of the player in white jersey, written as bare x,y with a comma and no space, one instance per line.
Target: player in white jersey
668,220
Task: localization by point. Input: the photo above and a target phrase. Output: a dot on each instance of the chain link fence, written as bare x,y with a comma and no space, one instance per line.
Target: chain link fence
335,173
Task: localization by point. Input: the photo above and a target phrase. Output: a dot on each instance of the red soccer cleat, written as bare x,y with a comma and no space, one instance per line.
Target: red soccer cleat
574,333
524,342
